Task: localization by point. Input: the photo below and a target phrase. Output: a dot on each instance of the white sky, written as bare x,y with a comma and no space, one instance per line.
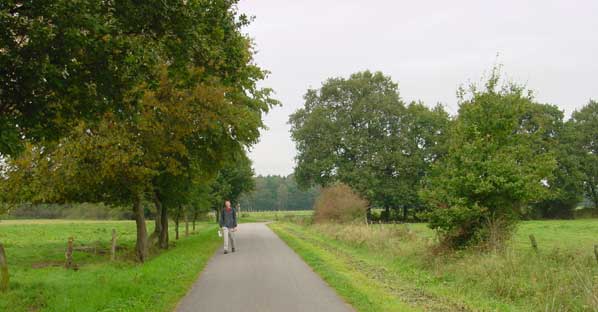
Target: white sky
428,47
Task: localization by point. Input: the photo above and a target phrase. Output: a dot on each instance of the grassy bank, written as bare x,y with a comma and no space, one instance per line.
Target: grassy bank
35,251
394,267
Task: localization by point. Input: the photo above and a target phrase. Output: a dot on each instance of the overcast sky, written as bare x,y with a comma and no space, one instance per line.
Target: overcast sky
428,47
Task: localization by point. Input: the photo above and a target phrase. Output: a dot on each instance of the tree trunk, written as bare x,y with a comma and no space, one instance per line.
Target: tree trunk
141,248
387,212
3,270
176,222
404,213
194,219
593,194
186,225
164,234
158,219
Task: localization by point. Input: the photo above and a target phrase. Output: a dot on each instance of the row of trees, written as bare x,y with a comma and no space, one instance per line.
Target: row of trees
74,211
502,156
275,192
358,131
121,103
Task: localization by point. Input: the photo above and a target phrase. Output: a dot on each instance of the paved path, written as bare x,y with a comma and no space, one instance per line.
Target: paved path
263,275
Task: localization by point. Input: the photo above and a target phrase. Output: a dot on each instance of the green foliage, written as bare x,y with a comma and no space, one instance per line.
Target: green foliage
358,131
278,193
74,60
234,179
566,185
501,158
79,211
584,125
116,102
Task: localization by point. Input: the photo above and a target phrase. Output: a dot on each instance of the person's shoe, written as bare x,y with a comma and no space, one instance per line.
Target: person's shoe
225,252
233,249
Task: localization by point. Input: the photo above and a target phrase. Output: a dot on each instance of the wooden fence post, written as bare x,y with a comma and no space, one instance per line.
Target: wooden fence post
113,248
3,270
69,253
532,238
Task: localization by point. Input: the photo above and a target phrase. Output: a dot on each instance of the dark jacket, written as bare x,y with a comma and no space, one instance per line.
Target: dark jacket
228,218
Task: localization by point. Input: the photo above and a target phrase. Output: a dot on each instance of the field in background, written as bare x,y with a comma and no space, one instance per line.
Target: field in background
265,216
36,248
389,267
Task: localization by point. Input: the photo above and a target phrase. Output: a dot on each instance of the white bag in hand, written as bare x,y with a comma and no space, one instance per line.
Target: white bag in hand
219,233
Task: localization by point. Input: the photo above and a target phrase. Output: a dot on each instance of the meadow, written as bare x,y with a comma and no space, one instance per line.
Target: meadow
397,267
39,282
267,216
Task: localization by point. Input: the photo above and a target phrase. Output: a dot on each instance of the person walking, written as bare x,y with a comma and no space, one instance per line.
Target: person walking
228,223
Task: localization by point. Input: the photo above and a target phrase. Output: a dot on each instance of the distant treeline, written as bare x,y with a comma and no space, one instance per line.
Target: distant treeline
278,193
76,211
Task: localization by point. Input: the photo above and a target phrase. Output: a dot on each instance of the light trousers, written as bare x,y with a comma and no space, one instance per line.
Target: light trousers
228,236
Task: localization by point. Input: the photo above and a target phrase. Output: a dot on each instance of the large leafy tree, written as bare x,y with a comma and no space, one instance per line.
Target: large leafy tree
499,160
566,183
416,142
64,61
584,123
183,123
179,135
358,131
100,164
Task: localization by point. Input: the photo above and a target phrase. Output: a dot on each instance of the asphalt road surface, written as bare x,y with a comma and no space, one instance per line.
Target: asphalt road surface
263,275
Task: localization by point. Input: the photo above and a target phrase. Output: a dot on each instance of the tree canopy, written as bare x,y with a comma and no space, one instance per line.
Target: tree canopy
501,157
74,60
145,102
584,125
358,131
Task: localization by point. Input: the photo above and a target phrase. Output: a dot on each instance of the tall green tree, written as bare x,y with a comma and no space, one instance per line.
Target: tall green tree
499,161
358,131
74,170
196,111
566,183
63,61
585,139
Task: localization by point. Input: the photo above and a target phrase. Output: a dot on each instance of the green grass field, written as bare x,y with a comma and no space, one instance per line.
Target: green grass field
265,216
35,251
395,267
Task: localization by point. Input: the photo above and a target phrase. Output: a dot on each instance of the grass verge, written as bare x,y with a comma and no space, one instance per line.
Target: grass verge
348,281
394,262
35,252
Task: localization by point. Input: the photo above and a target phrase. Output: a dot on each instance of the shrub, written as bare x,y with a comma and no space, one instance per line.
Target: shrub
499,160
338,203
